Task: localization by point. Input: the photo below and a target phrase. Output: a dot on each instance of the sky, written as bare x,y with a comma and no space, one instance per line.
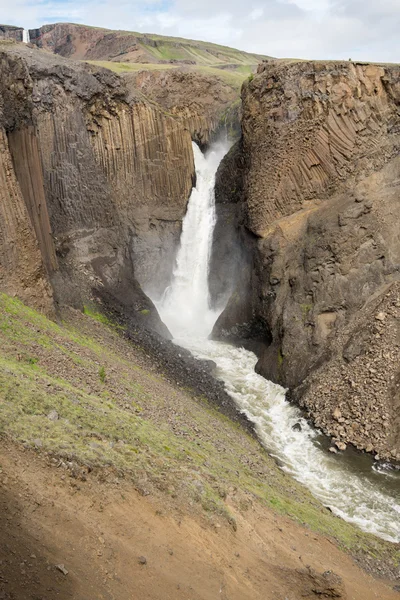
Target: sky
317,29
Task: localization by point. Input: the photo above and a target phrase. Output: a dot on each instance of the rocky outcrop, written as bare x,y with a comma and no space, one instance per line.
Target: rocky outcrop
203,103
10,32
201,99
101,179
316,199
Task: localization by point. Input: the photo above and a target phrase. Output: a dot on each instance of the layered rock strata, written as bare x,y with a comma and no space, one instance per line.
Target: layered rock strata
314,190
94,43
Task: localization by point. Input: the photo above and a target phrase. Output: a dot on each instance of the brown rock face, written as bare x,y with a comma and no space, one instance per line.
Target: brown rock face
317,204
99,179
203,103
10,32
22,270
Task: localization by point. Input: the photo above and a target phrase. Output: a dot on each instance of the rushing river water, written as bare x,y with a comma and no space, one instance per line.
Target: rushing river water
348,483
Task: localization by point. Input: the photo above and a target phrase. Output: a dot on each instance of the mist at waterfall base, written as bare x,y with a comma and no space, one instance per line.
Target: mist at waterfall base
366,497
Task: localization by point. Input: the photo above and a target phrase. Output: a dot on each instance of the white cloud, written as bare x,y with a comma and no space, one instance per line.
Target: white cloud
256,13
360,29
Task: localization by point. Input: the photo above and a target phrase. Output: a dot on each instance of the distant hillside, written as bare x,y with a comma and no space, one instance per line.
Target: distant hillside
92,43
11,32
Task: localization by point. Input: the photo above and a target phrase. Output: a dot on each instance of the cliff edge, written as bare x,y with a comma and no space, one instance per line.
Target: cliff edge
99,180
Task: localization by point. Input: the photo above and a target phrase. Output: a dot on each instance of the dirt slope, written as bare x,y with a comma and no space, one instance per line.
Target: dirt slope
103,532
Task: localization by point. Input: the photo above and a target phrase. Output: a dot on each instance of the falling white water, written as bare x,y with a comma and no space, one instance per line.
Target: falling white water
25,36
185,304
353,491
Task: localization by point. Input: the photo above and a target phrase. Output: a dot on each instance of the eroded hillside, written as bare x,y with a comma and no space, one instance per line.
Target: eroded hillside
95,43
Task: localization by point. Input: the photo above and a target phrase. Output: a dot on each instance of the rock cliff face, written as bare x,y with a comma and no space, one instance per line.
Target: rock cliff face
10,32
202,102
314,190
98,179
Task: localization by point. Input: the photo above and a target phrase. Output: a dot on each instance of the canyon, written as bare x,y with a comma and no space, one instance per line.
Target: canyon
97,167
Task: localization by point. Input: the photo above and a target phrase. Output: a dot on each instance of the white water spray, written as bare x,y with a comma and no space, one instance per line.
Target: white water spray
25,36
364,498
185,304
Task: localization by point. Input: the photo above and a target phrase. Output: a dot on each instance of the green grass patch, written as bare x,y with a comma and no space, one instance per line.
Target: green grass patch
233,78
123,67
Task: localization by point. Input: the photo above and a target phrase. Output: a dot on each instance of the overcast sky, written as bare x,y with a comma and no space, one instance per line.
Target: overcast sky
338,29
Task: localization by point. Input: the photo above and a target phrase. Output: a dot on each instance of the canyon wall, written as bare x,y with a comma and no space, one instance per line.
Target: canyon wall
99,179
313,192
204,103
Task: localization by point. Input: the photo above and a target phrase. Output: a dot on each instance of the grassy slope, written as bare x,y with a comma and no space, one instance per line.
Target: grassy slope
232,78
114,410
167,48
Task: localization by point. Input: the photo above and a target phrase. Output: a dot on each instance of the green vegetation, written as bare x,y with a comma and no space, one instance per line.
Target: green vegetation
174,48
305,309
113,411
122,67
102,374
234,77
100,317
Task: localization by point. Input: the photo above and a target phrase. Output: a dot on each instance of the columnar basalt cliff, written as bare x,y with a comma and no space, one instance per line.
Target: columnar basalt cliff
99,181
204,103
313,188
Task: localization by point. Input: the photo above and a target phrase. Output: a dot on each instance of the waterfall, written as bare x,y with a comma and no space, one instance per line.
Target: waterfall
185,307
25,36
349,484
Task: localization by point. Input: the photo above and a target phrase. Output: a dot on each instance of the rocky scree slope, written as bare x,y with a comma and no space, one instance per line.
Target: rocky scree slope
310,197
95,184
